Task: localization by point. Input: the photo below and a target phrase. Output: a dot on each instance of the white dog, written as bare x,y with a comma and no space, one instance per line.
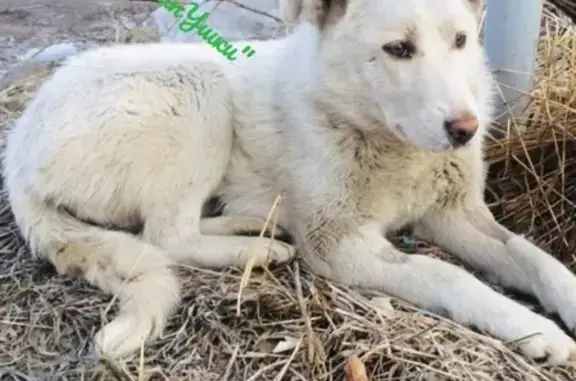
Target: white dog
370,116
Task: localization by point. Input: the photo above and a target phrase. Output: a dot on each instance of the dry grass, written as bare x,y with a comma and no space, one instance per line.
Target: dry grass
532,182
291,325
567,7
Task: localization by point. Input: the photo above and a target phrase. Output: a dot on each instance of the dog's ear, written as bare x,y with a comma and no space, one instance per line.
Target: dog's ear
317,12
290,10
476,5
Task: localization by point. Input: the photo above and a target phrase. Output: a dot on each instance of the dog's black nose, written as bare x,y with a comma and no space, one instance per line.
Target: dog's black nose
460,130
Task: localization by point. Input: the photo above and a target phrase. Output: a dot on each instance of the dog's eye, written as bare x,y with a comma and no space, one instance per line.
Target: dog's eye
400,49
460,40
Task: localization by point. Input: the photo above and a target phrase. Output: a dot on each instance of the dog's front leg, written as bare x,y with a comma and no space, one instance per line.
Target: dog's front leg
365,258
473,234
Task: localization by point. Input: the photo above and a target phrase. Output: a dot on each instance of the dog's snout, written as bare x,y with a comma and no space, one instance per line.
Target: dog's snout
461,129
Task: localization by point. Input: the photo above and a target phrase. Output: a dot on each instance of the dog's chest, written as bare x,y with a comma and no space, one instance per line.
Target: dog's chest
399,186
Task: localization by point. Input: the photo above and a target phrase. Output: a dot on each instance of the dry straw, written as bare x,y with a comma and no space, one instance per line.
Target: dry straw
285,324
532,182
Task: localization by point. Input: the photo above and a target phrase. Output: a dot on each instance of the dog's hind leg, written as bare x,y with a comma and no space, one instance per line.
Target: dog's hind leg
223,251
178,229
239,225
472,233
137,273
367,259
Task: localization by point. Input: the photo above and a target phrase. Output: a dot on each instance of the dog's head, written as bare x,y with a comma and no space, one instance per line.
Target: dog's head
416,65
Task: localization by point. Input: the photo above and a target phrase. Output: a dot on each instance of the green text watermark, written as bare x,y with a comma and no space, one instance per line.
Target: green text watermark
197,24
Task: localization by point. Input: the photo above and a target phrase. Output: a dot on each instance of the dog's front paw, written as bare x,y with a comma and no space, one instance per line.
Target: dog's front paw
543,339
553,283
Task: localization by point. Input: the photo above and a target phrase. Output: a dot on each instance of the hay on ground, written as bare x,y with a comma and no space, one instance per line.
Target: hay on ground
532,179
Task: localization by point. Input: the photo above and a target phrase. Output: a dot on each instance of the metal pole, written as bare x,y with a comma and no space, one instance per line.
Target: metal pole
511,32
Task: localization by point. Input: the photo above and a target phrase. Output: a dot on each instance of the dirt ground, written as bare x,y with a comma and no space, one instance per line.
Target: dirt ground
26,24
284,325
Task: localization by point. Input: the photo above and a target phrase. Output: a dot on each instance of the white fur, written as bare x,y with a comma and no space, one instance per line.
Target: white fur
352,139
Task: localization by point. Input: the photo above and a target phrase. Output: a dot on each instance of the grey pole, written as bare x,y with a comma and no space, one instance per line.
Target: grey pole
511,32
